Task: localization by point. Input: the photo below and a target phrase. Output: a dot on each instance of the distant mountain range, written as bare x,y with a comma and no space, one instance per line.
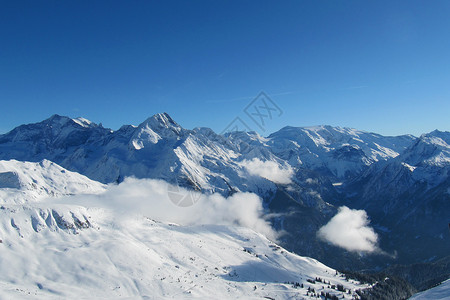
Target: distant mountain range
303,175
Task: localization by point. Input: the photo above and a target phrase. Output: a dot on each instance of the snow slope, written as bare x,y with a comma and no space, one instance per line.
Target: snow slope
28,181
441,292
57,248
76,252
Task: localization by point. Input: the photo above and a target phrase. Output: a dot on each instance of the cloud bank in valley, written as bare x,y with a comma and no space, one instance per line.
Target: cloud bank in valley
349,229
269,170
150,197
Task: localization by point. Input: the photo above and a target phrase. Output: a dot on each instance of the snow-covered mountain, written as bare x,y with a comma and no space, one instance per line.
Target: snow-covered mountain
70,247
160,148
300,162
424,163
302,173
340,152
157,148
410,197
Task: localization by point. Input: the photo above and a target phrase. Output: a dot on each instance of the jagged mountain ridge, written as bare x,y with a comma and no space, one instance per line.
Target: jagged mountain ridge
342,152
159,147
424,165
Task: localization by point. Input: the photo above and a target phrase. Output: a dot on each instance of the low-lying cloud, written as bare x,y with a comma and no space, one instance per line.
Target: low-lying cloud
269,170
150,197
349,229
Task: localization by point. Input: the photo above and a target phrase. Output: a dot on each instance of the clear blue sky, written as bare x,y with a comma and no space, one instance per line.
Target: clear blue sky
381,66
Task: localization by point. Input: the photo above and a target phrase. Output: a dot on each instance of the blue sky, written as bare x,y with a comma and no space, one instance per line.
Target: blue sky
381,66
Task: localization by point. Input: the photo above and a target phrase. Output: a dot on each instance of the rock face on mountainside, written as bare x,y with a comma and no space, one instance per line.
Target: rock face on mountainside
302,173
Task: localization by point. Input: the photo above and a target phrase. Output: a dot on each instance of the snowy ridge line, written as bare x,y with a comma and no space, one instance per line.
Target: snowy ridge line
109,156
36,181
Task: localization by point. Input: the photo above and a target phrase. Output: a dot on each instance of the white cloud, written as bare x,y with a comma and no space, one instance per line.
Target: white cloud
151,198
269,170
312,181
349,229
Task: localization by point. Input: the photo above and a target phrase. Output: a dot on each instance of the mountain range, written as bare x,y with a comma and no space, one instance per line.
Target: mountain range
303,175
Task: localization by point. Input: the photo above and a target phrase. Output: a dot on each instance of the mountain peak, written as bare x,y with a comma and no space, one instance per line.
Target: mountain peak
84,122
58,119
64,120
155,128
163,118
161,121
443,135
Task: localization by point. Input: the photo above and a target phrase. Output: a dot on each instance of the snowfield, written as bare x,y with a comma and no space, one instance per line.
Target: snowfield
65,248
73,252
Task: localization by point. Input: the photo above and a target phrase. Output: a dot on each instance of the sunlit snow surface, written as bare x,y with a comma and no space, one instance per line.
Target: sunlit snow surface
64,250
45,253
440,292
22,182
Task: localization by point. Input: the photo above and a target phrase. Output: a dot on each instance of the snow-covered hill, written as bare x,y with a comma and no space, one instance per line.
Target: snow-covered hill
28,181
74,252
78,247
